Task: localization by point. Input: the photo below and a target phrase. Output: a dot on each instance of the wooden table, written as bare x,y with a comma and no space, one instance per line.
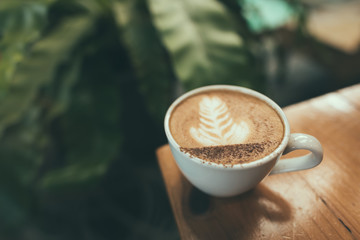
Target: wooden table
319,203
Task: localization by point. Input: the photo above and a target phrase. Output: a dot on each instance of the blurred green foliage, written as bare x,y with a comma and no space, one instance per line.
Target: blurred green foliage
71,70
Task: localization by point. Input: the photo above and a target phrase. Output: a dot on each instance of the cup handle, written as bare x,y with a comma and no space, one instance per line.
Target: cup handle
310,160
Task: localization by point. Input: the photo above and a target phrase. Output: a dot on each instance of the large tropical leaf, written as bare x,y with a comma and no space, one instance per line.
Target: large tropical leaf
88,117
202,39
21,23
149,58
40,67
24,134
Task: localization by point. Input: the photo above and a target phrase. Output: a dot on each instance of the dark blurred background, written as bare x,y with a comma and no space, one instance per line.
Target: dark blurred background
85,84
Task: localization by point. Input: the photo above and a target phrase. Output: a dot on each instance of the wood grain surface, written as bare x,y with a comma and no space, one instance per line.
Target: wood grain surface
319,203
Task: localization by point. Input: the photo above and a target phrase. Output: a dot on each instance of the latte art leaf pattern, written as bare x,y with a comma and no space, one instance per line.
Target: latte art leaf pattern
216,125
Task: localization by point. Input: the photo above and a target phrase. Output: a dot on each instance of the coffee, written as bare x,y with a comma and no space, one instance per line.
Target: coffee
226,127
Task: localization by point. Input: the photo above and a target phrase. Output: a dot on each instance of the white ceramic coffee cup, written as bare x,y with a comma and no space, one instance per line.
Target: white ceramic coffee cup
219,180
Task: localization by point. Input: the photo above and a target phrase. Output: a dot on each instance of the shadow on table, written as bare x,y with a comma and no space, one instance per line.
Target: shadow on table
239,217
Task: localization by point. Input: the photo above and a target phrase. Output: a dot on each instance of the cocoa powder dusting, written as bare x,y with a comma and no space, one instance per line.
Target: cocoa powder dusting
232,154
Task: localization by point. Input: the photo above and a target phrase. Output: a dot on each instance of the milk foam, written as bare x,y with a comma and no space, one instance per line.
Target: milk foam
217,126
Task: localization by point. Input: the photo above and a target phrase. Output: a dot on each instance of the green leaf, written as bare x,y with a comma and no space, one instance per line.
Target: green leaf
88,108
40,67
21,155
21,23
73,175
91,137
202,41
16,4
24,137
60,93
148,56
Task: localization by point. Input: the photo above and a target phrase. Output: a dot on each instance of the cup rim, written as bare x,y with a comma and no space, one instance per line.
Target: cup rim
277,152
